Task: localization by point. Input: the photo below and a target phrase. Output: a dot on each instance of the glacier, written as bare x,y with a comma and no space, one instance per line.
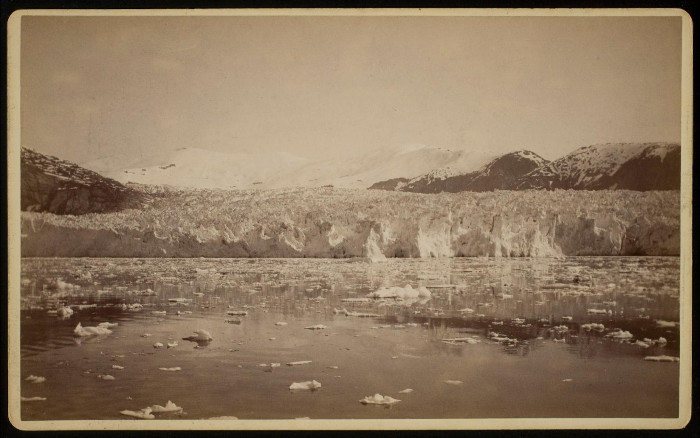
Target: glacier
348,223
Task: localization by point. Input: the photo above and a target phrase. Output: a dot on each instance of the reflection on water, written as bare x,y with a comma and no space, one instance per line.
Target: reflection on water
513,330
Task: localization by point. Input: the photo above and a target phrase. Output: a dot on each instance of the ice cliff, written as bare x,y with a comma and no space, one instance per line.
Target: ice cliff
328,222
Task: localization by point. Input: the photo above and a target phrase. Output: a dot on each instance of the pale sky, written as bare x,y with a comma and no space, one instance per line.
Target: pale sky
93,87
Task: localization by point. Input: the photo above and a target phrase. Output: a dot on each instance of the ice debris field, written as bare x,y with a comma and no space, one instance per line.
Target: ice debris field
115,338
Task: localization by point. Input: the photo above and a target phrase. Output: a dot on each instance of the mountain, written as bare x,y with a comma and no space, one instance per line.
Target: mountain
201,168
61,187
500,173
624,166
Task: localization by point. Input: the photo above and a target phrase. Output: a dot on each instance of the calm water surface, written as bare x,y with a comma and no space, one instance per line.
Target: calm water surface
545,364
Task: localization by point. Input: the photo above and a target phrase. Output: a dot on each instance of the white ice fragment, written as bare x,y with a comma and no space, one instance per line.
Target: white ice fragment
642,344
406,391
146,335
400,293
81,331
281,323
107,324
202,335
275,365
669,324
378,399
593,326
117,367
316,327
29,399
311,385
299,362
169,407
662,358
662,341
144,414
64,312
36,379
171,369
567,380
567,318
454,382
158,345
105,377
158,312
172,344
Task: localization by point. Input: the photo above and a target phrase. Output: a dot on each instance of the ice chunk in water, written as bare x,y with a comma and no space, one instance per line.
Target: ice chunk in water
172,344
406,391
158,345
662,358
117,367
453,382
316,327
169,407
36,379
105,377
64,312
311,385
81,331
201,335
144,414
107,324
28,399
299,362
669,324
281,323
378,399
171,369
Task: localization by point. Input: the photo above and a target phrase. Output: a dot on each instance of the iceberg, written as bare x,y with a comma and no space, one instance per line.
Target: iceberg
81,331
36,379
144,414
400,293
311,385
64,312
378,399
201,336
169,407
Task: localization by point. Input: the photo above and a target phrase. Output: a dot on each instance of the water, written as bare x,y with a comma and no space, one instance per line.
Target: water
541,370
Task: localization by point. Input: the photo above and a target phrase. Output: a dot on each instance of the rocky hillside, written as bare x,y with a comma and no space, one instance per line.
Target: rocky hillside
628,166
331,222
56,186
499,174
640,166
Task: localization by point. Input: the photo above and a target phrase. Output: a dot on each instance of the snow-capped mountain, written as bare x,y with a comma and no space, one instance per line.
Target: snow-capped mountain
201,168
625,166
57,186
500,173
630,166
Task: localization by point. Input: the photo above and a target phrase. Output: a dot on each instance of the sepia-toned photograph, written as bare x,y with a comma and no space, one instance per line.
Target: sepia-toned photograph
441,219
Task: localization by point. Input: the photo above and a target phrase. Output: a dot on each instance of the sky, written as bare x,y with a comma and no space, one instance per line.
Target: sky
122,87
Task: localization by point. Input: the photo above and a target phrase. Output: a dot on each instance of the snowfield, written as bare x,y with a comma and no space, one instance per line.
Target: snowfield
332,222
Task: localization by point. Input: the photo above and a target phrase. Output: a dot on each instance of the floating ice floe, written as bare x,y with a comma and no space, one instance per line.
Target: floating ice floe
236,312
158,312
117,367
144,414
158,345
172,344
298,362
310,385
619,334
281,323
466,310
662,323
105,377
593,326
316,327
184,312
642,344
378,399
567,380
518,320
81,331
201,335
171,369
29,399
406,391
599,312
567,318
662,358
35,379
355,300
466,340
400,293
169,407
454,382
146,335
179,300
135,307
64,312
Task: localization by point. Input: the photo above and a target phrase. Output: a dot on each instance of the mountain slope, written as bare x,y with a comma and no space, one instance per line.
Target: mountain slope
201,168
629,166
61,187
500,173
